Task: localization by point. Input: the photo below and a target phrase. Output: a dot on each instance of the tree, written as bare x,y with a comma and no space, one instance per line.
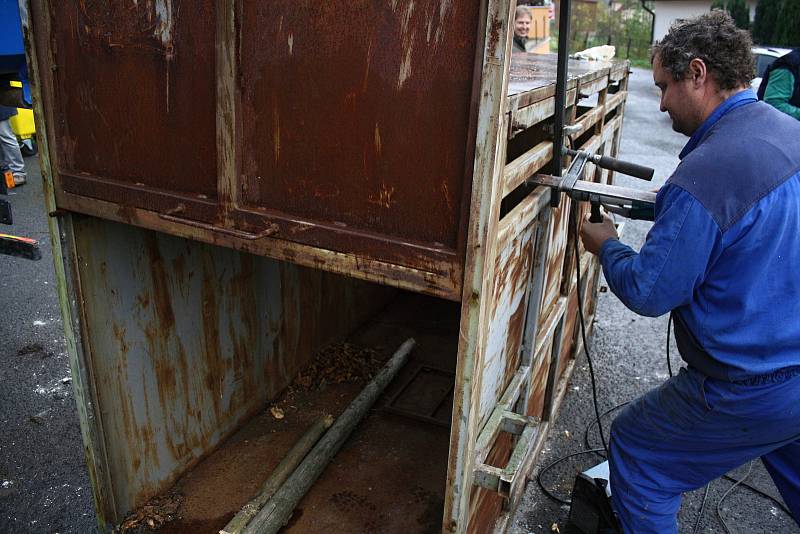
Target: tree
787,30
737,9
766,21
739,13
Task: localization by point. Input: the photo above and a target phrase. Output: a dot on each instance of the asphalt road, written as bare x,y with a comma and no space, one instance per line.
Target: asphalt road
43,483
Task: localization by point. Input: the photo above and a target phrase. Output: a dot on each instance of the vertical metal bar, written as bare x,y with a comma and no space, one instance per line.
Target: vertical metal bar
561,86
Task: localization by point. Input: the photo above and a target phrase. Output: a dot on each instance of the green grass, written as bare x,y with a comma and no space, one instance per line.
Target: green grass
642,63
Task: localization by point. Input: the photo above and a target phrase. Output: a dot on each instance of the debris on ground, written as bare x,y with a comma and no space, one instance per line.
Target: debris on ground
39,417
153,515
276,412
338,363
33,348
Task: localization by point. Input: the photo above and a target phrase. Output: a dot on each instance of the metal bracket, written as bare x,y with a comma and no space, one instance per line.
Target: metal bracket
503,419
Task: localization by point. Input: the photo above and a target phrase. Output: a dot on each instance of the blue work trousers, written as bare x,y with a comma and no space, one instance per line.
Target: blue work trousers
694,429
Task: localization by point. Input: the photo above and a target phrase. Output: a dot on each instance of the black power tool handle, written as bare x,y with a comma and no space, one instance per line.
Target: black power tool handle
626,167
596,216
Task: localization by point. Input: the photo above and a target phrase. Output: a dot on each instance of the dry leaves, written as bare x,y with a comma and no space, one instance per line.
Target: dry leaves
338,363
154,514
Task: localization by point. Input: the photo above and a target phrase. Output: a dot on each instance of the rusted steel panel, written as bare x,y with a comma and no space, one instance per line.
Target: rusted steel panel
135,97
555,256
188,340
502,357
349,119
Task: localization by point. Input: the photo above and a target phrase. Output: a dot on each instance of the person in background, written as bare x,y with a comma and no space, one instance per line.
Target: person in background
522,25
780,86
10,155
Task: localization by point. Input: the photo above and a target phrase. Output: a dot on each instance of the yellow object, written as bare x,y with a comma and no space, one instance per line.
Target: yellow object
22,123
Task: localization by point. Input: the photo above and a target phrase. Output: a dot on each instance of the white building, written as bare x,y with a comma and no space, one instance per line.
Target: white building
666,11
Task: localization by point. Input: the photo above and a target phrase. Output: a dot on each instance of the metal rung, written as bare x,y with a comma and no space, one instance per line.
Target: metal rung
501,480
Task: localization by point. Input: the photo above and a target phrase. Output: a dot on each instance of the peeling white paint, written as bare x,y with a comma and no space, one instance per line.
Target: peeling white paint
164,22
408,45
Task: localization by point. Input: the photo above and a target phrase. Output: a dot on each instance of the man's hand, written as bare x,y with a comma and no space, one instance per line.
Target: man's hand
594,235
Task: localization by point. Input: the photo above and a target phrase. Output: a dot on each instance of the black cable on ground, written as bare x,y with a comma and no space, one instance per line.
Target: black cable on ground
764,494
700,512
553,464
591,425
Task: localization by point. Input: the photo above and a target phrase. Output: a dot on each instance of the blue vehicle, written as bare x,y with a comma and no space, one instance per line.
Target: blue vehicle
13,66
13,70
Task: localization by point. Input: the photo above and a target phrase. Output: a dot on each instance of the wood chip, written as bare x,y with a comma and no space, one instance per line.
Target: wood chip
276,412
338,363
153,515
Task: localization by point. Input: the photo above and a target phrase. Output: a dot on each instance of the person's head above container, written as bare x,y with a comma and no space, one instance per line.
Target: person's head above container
522,21
699,64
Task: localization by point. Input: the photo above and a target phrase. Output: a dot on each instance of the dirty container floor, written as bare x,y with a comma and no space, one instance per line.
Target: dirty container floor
390,474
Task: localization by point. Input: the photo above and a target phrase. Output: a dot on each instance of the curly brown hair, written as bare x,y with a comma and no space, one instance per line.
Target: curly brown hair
714,38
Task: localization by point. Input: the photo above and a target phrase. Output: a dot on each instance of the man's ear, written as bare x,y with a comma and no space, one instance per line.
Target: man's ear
697,72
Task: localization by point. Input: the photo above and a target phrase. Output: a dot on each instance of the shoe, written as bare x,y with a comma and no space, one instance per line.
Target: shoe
20,179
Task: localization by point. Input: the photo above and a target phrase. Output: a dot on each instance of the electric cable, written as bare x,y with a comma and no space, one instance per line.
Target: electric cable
553,464
574,217
591,425
728,492
764,494
700,512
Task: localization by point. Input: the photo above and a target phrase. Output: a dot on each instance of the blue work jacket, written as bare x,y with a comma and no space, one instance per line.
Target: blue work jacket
724,250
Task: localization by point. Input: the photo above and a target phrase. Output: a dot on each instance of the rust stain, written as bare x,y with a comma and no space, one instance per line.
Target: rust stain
213,367
385,197
486,506
539,380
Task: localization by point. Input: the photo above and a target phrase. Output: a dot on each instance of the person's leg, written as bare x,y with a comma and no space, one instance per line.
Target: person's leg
11,154
784,467
682,435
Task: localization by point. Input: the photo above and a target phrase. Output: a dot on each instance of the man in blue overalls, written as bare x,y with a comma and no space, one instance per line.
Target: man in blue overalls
724,257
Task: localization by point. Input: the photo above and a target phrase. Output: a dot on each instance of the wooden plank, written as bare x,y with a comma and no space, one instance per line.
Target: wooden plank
590,87
512,272
486,196
526,165
615,100
519,218
535,113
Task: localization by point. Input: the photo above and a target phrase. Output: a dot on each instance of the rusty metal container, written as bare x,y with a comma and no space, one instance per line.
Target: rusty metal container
236,186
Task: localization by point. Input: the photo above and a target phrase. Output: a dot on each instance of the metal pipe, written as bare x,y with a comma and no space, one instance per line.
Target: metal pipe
561,86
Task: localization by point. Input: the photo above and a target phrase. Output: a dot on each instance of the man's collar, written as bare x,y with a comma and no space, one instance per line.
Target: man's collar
739,99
